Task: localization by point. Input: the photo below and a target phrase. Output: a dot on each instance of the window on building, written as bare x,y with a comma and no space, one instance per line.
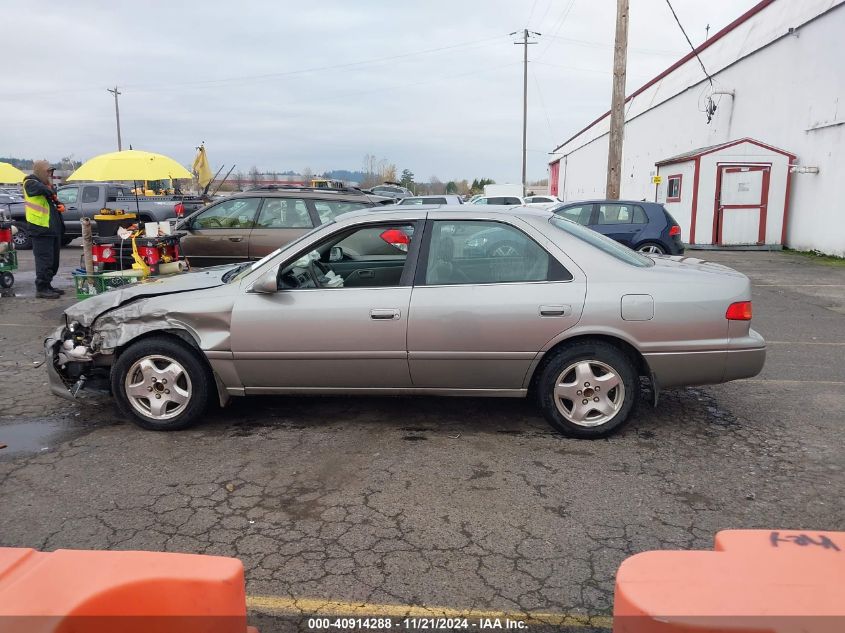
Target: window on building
673,188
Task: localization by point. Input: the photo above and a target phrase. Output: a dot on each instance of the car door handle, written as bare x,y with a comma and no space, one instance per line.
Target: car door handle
233,238
555,310
366,274
385,314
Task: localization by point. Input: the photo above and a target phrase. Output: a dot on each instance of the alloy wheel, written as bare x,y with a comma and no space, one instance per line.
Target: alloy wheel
651,249
589,393
158,387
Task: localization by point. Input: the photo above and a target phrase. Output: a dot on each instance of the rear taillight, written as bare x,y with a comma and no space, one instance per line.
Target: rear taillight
675,230
396,238
739,311
179,209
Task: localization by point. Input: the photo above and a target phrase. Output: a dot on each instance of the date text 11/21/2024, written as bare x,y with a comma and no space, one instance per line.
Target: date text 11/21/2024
420,623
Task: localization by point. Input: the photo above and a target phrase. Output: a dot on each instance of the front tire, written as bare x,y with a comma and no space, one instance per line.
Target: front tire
161,384
588,390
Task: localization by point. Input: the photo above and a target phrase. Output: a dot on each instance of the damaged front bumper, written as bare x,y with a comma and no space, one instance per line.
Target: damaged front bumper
67,376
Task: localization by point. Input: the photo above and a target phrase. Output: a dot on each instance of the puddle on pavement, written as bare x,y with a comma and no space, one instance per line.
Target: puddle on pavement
34,436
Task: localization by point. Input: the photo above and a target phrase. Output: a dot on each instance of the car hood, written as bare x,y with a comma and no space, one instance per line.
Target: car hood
86,311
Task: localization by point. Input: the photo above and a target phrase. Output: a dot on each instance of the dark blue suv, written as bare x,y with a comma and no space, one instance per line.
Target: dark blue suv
644,226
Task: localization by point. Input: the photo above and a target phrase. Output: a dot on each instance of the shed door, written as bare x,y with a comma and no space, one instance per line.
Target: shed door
742,196
554,174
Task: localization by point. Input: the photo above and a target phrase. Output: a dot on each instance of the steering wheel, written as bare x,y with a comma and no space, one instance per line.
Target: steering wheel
214,219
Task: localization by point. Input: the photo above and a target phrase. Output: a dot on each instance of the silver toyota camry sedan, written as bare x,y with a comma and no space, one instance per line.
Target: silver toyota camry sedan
480,301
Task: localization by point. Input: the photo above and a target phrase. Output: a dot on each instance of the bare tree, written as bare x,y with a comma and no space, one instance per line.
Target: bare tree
437,186
389,173
254,176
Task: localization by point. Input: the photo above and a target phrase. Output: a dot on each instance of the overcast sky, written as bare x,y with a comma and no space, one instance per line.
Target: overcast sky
432,86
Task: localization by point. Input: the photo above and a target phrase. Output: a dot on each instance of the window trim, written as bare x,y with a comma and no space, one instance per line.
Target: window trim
669,179
557,270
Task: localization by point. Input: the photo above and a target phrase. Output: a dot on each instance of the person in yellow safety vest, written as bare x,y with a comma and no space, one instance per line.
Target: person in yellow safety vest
45,226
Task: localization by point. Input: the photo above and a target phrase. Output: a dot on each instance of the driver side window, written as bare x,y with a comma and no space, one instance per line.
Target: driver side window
369,257
237,213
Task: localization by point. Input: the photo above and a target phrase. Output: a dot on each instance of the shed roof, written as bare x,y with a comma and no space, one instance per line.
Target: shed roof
694,153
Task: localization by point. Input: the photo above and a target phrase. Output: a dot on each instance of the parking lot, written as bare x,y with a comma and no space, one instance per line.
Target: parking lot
393,506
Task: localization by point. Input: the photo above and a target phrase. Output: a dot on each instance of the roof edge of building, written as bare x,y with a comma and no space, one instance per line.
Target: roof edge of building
706,44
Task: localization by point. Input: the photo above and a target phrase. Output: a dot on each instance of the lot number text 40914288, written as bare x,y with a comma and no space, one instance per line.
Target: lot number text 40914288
422,624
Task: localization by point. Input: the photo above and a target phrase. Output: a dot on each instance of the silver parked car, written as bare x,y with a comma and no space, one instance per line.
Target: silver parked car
506,302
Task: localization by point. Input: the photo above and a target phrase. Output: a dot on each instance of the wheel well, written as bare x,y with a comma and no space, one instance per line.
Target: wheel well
185,339
182,335
624,346
145,218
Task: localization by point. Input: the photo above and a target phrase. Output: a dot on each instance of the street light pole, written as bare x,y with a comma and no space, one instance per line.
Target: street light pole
116,93
524,43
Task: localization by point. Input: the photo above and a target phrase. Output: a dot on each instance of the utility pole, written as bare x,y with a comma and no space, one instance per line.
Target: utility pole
524,43
617,107
116,93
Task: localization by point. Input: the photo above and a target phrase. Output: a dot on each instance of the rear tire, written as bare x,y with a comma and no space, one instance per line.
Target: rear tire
651,248
588,390
67,240
7,279
162,384
22,239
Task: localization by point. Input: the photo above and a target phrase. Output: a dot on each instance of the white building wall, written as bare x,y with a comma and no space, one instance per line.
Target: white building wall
789,92
682,210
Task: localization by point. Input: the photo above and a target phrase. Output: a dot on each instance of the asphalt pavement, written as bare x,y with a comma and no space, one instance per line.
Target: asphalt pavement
392,506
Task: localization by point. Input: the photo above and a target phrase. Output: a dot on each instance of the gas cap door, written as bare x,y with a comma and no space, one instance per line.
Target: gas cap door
637,307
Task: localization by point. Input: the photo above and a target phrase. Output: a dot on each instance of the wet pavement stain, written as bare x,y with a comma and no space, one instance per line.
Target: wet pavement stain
34,436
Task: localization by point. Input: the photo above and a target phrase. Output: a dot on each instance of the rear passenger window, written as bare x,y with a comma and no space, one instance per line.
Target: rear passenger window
479,252
90,194
284,213
328,210
580,214
639,216
621,214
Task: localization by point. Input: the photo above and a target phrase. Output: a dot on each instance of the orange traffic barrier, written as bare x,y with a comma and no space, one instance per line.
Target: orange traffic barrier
92,591
765,581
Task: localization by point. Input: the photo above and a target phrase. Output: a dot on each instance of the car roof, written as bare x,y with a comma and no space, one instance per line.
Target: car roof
462,211
608,201
308,192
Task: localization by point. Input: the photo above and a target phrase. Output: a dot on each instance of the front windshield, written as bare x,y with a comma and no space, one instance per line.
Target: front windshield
602,242
242,270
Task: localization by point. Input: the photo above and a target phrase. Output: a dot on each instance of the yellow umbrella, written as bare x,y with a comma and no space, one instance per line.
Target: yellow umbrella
10,173
130,164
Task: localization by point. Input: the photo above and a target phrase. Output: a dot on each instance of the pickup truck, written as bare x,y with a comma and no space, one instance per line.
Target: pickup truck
85,200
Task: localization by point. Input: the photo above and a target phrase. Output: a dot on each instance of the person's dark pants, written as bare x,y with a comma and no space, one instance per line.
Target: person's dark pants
46,250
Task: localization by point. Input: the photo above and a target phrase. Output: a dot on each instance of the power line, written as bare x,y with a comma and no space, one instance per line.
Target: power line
591,44
543,103
559,23
247,78
531,13
681,26
288,73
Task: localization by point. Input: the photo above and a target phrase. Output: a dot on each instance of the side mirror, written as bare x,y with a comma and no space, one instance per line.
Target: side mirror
268,283
336,254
